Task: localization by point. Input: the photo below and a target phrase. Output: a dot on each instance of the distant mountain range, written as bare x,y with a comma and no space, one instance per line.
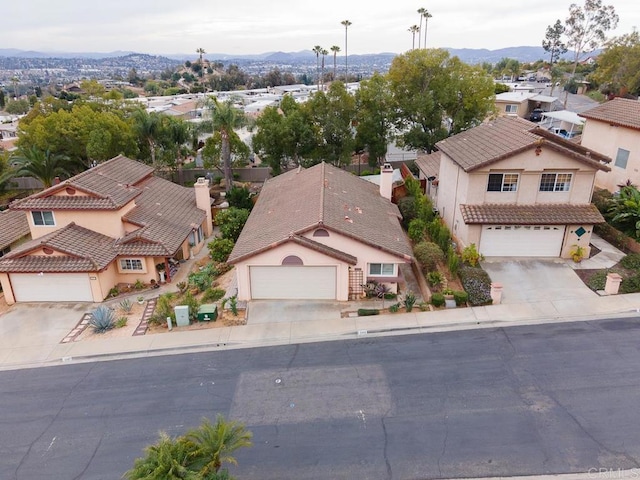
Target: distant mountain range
468,55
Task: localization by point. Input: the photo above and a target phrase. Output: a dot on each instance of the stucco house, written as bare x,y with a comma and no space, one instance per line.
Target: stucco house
111,224
521,103
514,189
320,233
613,129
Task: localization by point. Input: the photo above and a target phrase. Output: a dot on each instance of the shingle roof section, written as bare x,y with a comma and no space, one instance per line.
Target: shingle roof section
622,112
84,251
429,164
321,196
506,136
13,227
540,214
107,186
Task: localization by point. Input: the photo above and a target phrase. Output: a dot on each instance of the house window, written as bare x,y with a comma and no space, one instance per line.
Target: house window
502,182
382,269
555,182
131,264
196,236
43,218
511,108
622,157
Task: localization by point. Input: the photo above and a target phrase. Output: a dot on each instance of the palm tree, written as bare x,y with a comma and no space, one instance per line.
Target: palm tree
413,29
324,53
201,52
426,16
317,50
43,165
346,24
225,117
335,49
214,444
167,459
421,11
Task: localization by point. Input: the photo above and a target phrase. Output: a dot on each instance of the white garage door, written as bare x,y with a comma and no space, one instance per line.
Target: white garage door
293,282
51,287
521,240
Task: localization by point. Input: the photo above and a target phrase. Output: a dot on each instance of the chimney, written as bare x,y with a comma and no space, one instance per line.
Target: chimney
203,202
56,181
386,181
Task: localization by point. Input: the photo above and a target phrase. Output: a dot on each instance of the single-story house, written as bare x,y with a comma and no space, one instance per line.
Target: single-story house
320,233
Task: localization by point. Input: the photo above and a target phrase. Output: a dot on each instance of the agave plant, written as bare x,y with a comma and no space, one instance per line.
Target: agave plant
102,319
126,305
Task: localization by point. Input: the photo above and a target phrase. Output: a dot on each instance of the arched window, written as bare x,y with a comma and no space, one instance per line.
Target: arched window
320,232
292,260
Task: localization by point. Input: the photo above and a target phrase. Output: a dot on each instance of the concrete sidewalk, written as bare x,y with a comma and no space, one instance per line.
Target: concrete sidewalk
317,330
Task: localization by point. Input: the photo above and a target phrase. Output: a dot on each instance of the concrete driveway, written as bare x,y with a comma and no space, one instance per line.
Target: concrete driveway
273,311
529,280
29,333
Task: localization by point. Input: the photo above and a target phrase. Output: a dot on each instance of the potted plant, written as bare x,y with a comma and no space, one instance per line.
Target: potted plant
140,299
577,253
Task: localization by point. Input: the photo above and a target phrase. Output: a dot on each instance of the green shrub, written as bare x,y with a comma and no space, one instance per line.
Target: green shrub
231,222
417,227
453,261
114,292
211,295
121,322
423,306
461,297
437,299
435,278
597,280
240,197
394,308
102,319
164,307
193,305
139,285
409,300
428,254
366,312
439,234
220,249
470,255
631,261
408,210
477,284
602,198
630,284
390,296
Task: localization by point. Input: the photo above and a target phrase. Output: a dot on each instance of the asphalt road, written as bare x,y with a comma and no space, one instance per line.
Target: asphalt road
523,400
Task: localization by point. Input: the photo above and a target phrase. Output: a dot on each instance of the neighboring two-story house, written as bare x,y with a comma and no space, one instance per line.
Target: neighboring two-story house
112,224
613,129
513,189
320,233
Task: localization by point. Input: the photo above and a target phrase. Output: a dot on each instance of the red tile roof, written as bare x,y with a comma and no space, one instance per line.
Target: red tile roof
13,227
506,136
621,112
322,196
540,214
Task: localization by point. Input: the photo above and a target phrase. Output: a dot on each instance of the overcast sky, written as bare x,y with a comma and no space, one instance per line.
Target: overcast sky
258,26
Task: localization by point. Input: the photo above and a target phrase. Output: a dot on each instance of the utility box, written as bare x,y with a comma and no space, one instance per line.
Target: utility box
182,315
207,312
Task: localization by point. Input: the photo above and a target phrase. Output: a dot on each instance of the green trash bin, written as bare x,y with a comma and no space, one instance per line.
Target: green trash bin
207,312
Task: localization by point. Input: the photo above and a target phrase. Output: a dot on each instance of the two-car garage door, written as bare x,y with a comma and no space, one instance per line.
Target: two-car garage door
51,287
293,282
521,240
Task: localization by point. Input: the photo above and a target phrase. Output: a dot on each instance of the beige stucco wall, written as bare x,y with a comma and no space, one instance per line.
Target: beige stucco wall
106,222
501,106
6,288
606,139
571,240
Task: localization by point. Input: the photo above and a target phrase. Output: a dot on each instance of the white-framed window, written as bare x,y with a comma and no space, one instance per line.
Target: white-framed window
511,108
502,182
382,269
43,218
555,182
196,236
622,157
131,265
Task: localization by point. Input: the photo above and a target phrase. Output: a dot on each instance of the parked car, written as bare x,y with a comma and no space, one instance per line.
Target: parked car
536,115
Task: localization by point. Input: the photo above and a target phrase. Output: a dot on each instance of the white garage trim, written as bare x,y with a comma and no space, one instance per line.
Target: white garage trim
51,287
521,240
293,282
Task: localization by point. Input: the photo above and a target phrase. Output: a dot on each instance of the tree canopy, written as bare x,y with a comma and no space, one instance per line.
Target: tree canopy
618,70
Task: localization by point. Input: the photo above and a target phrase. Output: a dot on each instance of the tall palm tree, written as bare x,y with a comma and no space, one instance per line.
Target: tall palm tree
324,53
201,52
317,50
44,165
421,11
214,444
167,459
225,117
335,49
426,16
346,24
413,29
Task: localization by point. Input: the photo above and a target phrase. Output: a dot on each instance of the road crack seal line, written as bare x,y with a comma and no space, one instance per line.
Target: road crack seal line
385,449
293,357
446,428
